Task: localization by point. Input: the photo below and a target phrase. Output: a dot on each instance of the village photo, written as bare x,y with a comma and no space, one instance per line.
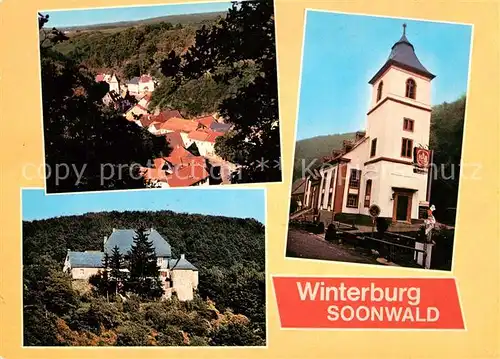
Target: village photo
379,140
144,268
159,96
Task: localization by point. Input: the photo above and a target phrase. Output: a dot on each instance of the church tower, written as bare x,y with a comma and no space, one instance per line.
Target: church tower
398,121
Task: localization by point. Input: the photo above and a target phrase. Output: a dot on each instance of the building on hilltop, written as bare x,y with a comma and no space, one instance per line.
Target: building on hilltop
177,275
387,164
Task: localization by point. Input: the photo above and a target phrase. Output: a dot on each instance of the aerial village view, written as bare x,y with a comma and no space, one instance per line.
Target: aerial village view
162,99
381,187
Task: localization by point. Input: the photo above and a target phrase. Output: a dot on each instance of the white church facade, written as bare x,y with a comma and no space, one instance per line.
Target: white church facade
380,165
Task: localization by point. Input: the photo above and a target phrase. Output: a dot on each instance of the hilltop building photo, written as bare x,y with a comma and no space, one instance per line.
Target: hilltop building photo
144,268
159,96
381,187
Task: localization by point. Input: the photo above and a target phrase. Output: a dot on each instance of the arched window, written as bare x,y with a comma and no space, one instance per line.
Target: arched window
379,90
411,88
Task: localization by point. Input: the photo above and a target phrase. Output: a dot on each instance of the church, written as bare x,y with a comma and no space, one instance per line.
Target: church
388,163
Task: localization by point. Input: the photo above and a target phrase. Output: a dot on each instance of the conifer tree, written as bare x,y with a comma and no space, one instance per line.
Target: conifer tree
116,264
144,270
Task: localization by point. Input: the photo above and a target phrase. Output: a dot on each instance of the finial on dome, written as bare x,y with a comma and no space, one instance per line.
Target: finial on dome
404,29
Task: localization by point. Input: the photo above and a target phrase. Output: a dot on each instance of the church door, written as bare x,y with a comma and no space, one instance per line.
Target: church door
402,206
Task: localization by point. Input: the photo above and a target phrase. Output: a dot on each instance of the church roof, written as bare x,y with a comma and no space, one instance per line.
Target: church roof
124,238
403,55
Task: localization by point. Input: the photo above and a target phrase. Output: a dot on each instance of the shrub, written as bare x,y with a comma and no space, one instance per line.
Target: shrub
331,233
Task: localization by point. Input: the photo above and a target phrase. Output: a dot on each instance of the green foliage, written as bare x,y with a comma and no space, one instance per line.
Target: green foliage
309,152
87,146
128,51
446,136
236,334
233,64
229,252
144,271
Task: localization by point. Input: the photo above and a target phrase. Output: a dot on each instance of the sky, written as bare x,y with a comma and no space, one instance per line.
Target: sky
343,51
75,17
240,203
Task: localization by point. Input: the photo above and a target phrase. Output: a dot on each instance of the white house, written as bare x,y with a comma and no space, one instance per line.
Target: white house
205,141
141,85
378,166
111,80
178,275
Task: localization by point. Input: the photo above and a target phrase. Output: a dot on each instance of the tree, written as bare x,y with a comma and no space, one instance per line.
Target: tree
87,146
143,267
446,136
243,40
131,70
116,266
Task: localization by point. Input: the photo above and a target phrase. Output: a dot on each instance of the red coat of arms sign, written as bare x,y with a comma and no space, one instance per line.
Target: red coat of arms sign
422,157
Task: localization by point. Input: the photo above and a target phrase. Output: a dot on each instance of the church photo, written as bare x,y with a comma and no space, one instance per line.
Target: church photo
379,140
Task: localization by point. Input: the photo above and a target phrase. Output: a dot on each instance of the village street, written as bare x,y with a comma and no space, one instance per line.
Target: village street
302,244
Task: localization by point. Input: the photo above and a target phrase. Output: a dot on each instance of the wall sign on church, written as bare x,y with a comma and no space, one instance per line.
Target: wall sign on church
421,159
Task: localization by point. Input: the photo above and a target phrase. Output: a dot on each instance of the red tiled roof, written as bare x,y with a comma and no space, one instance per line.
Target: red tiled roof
99,78
179,155
174,139
207,136
179,124
198,135
159,163
192,171
187,175
212,136
167,115
146,120
145,78
206,120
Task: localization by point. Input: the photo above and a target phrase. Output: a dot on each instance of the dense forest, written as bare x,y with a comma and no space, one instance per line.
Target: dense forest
446,135
315,148
132,50
228,309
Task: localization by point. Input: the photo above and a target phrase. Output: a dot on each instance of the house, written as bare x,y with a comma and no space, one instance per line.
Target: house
205,141
174,139
111,80
180,169
177,275
181,125
139,110
298,192
140,85
387,164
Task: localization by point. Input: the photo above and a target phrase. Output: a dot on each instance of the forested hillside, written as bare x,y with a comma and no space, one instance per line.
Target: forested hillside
315,148
132,50
229,308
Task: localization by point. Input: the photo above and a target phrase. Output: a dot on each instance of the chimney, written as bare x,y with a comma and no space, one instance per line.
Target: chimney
105,239
347,145
114,229
360,135
183,256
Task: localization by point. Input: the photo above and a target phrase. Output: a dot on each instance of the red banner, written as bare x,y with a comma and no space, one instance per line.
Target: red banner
386,303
